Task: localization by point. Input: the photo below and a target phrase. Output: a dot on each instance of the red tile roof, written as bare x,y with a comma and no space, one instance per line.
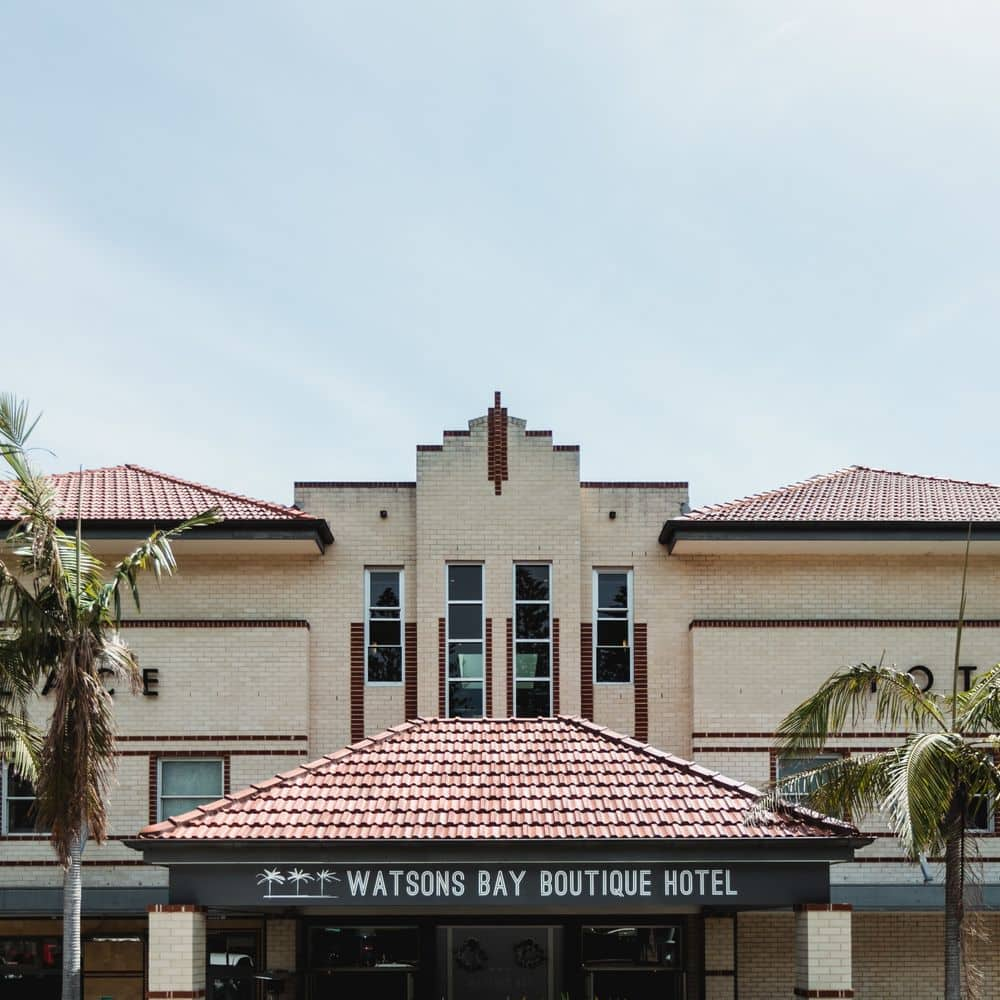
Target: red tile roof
862,494
492,779
132,493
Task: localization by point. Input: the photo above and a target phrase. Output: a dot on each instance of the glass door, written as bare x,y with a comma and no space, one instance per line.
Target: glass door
498,963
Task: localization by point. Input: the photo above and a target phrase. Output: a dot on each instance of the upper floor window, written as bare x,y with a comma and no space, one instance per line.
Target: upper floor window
185,783
787,767
465,628
383,626
532,640
18,803
613,626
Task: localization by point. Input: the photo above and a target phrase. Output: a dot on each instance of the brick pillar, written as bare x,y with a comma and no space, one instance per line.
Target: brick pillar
823,950
720,958
281,951
176,952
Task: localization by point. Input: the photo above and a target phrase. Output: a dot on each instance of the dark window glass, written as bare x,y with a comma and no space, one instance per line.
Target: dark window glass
363,947
613,665
612,633
20,815
532,621
465,621
232,965
466,699
384,632
465,583
384,589
18,787
532,660
612,590
659,946
532,699
979,816
532,583
30,968
465,659
385,664
786,767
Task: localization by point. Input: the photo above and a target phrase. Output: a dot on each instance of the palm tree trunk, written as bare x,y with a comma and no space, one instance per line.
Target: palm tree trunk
72,897
954,916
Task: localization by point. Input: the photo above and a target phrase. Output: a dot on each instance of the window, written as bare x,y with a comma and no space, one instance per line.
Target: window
979,816
465,640
788,767
185,783
383,626
18,803
30,968
532,640
613,626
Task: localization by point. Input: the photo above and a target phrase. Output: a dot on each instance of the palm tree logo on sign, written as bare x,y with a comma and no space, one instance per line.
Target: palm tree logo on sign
272,877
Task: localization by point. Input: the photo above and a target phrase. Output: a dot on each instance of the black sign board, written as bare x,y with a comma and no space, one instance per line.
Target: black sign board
531,887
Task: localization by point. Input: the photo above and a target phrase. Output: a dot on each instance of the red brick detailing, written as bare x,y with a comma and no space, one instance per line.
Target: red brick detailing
174,994
496,444
213,739
442,670
357,681
355,486
822,907
457,434
641,681
770,735
587,670
410,668
154,769
719,972
430,447
53,863
488,671
565,447
174,908
828,994
216,623
538,434
509,663
842,623
633,486
555,666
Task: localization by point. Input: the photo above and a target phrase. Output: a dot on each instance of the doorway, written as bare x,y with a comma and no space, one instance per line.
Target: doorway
499,962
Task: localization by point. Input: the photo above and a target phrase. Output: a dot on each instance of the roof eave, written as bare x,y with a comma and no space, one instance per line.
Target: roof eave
886,531
315,528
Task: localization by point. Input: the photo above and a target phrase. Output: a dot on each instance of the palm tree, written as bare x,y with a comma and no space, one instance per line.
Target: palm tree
929,786
60,620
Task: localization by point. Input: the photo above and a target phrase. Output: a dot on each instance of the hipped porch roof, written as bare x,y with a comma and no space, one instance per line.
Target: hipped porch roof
489,780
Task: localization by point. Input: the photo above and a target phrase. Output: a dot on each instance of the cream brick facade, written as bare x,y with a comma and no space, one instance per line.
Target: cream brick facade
253,654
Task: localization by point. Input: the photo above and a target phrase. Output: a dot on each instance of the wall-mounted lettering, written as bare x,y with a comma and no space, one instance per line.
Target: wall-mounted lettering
150,682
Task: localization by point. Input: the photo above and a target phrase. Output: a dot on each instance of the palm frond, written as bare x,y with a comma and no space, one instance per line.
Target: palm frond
978,709
924,774
845,787
155,555
891,695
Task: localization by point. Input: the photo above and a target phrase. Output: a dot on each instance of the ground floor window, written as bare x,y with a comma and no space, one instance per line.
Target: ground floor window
233,964
30,968
370,962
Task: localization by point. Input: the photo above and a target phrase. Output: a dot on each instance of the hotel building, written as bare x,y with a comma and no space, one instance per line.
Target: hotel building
517,721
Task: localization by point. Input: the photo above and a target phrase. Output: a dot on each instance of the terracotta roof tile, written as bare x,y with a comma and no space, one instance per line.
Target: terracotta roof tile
133,493
493,779
859,493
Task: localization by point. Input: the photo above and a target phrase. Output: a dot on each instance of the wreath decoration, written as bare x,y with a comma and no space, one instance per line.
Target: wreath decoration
471,956
528,954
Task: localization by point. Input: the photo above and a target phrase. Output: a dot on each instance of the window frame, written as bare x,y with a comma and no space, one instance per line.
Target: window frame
5,798
161,815
448,640
991,819
816,760
630,617
515,602
402,630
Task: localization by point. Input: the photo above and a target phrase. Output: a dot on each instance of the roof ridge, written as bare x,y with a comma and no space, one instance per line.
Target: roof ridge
933,479
216,491
765,494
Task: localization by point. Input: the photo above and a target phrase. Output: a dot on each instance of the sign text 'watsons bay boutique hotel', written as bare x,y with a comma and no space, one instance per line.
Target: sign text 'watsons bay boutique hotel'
516,722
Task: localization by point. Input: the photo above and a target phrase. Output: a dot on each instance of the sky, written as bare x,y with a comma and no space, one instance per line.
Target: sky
735,243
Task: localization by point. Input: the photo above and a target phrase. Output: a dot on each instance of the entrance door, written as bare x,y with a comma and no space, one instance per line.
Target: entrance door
498,963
